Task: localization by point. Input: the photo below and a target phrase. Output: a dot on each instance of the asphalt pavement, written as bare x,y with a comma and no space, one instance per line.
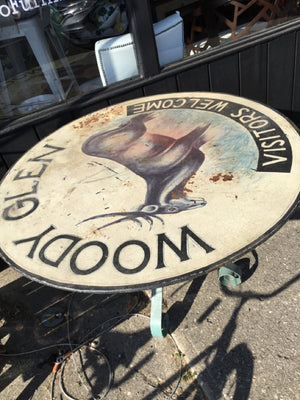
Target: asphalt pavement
240,343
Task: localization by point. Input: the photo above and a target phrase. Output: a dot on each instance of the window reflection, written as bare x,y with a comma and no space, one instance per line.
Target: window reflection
216,22
47,51
47,48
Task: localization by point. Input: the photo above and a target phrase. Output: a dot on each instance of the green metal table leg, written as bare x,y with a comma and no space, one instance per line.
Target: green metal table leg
158,321
230,275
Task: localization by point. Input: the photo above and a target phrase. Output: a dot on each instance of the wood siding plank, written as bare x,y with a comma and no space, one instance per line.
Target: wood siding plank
167,85
14,144
224,75
195,79
49,126
132,94
89,109
280,78
253,73
296,86
3,167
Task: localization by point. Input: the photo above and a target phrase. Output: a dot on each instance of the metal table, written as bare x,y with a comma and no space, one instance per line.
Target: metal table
150,192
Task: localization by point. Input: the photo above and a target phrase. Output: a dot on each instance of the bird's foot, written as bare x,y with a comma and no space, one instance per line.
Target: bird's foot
173,206
134,216
183,204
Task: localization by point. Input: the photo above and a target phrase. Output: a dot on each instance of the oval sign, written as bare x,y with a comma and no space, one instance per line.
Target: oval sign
149,192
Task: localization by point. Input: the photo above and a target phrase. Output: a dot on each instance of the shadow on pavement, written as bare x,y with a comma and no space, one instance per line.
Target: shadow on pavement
117,352
178,311
123,354
220,358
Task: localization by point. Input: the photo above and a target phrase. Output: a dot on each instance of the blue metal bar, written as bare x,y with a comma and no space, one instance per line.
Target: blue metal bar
158,321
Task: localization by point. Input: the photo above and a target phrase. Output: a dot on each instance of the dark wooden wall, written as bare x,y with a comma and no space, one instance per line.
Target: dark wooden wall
265,68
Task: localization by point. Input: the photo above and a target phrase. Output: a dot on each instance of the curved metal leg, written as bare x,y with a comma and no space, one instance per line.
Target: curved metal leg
159,322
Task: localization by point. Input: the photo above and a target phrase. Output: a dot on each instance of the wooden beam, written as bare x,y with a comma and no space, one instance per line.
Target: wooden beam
141,27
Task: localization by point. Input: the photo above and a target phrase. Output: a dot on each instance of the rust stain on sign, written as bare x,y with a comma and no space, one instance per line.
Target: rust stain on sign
223,177
181,190
93,118
227,177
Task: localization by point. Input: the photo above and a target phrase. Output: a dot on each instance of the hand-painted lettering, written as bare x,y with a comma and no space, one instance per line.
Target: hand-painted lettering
143,264
70,240
182,253
12,212
177,103
34,188
35,239
55,250
73,262
53,149
30,174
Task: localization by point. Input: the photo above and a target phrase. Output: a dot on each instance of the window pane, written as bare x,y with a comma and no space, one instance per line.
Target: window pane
47,50
209,24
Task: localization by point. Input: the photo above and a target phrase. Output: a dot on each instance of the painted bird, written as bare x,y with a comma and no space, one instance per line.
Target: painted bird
165,163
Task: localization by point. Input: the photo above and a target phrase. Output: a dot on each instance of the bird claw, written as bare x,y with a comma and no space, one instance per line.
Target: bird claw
135,219
150,221
130,216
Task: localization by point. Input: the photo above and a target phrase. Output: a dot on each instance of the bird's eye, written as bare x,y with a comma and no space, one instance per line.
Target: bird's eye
150,208
172,209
